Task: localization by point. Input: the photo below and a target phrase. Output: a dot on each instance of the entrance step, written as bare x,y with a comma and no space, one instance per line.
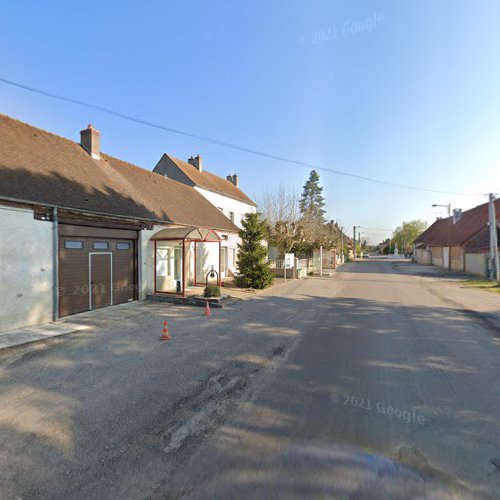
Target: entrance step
189,301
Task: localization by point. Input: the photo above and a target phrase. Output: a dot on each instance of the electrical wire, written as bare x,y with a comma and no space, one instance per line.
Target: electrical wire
220,142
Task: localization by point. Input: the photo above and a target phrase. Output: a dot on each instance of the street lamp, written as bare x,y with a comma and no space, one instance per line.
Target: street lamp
445,206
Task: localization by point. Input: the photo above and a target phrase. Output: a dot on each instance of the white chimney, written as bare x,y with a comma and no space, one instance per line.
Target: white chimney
196,162
90,140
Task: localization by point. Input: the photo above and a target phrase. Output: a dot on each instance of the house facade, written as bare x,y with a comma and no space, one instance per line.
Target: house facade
80,229
458,243
223,194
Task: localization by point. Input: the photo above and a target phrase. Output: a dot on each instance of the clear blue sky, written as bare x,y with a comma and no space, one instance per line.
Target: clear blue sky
405,91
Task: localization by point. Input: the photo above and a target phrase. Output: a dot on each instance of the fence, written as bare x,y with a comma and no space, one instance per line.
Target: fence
302,267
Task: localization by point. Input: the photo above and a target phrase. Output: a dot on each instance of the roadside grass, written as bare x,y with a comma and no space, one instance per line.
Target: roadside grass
490,286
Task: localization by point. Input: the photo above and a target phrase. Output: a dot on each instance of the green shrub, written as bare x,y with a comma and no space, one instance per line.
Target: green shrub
212,291
253,268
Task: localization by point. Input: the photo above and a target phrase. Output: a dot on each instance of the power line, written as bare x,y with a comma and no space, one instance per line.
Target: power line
220,142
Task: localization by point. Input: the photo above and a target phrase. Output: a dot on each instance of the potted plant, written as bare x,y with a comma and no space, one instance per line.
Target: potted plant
211,291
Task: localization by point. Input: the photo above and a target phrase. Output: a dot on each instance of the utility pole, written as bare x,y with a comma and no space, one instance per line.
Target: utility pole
494,259
342,245
354,242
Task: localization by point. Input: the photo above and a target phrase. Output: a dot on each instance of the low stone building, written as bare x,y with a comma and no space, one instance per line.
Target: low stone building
458,243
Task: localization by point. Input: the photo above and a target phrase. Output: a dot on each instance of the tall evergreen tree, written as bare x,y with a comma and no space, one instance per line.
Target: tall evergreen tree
254,271
312,202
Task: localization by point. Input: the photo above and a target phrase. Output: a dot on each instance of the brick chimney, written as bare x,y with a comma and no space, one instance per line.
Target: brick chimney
90,140
196,162
233,179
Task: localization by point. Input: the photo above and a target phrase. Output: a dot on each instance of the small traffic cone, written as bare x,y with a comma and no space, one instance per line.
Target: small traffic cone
165,335
207,308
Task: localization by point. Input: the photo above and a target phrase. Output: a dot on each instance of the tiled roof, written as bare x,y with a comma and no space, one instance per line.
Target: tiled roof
211,181
38,166
443,232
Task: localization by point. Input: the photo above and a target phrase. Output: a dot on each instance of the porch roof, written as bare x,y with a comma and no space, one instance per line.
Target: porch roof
192,233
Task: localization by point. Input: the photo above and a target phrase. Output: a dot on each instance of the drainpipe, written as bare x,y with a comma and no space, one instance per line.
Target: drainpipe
55,264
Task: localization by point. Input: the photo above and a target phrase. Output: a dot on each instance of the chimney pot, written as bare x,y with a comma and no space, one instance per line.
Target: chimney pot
90,140
196,162
235,180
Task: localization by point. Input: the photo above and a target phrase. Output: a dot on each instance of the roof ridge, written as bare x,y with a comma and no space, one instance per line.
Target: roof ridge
39,129
104,154
244,198
64,174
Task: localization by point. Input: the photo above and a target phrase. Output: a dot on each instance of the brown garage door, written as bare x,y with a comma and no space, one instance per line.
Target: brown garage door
97,268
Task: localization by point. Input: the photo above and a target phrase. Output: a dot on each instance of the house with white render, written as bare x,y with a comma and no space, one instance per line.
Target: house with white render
224,194
81,230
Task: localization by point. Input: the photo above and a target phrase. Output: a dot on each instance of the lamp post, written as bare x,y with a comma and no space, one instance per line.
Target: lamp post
445,206
449,237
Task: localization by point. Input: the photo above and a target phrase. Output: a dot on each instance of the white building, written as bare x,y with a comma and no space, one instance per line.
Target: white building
224,194
81,230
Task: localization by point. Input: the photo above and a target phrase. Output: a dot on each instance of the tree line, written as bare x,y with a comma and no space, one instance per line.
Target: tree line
296,223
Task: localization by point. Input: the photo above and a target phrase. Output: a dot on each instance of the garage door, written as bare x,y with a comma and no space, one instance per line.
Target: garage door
97,268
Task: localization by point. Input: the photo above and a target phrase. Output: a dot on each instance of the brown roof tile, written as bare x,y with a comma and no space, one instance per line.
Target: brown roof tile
211,181
443,232
42,167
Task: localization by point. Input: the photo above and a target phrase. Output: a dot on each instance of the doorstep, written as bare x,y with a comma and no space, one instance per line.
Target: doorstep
193,300
27,335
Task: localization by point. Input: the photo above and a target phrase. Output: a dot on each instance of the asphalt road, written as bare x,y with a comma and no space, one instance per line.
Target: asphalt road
366,385
385,369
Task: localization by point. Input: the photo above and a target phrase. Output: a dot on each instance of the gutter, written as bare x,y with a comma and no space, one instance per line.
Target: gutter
94,212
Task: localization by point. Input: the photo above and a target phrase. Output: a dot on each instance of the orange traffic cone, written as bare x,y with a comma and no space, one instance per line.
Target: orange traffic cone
207,308
165,335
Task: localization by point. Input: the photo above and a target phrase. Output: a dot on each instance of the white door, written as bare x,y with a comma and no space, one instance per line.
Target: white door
223,261
446,257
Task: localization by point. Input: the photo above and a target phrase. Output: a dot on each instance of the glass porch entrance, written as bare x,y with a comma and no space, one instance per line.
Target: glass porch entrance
182,257
169,266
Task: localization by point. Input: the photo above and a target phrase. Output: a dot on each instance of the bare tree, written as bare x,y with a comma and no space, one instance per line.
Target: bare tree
280,210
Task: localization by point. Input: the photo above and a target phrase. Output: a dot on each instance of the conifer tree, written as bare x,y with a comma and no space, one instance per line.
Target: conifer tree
254,270
312,202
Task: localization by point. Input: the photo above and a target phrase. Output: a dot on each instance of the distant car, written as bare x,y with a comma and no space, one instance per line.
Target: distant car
366,256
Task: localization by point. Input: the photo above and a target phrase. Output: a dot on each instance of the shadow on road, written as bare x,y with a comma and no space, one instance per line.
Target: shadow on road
104,403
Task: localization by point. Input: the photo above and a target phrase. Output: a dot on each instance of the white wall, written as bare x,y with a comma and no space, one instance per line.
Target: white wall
476,263
423,256
147,261
239,209
227,204
26,269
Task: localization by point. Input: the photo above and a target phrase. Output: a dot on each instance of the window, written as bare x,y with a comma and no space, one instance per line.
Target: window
223,237
122,245
101,245
73,244
231,216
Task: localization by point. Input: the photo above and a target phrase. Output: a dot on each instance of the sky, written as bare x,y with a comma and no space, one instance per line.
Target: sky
401,91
